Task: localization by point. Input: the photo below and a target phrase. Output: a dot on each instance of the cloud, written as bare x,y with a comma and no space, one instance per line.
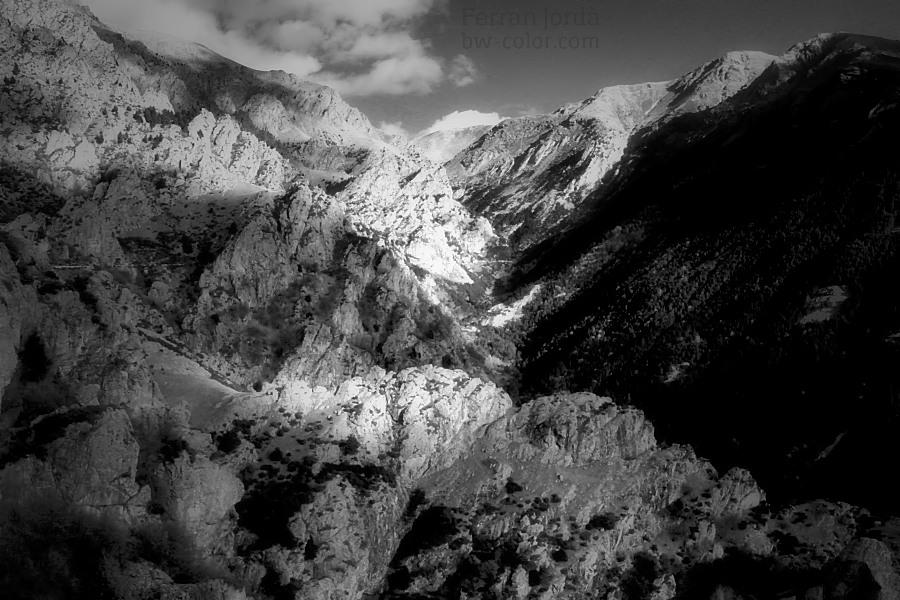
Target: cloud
326,14
463,118
293,36
190,24
412,73
463,71
380,46
529,111
399,65
395,128
359,47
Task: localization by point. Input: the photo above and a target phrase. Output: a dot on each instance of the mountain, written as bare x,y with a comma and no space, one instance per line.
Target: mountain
528,174
738,265
441,146
251,346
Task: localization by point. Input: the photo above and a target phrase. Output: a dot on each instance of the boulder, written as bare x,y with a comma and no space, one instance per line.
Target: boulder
863,571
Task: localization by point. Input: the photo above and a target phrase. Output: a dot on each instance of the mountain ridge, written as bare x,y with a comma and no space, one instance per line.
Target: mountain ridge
574,148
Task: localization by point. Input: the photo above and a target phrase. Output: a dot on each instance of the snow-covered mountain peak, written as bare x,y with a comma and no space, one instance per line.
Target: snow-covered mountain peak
441,146
621,106
529,174
712,83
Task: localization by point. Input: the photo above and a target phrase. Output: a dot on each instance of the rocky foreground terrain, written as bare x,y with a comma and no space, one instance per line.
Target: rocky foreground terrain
249,349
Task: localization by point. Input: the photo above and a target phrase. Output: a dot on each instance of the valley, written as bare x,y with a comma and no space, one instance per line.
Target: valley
253,346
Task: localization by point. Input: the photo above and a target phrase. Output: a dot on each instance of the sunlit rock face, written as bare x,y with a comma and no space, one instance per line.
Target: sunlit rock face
526,175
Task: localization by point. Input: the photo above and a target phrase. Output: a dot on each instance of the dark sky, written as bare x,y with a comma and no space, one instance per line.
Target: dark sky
435,71
635,41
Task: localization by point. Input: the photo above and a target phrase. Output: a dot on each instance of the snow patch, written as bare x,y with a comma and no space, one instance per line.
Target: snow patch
501,314
825,304
676,372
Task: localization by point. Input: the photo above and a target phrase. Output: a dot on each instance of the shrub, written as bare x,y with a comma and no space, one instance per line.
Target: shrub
350,446
310,550
637,583
171,449
267,509
229,441
416,499
34,360
80,285
512,487
559,555
603,522
51,287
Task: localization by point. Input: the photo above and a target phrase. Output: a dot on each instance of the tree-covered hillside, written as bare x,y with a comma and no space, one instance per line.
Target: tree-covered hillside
695,287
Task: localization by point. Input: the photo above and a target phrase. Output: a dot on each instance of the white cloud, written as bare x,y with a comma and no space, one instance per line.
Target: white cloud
463,71
405,74
359,47
326,14
296,36
380,46
463,118
395,128
189,24
529,111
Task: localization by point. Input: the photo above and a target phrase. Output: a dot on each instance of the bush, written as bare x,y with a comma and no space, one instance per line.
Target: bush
34,360
416,499
603,522
637,583
171,449
512,487
350,446
229,441
266,509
